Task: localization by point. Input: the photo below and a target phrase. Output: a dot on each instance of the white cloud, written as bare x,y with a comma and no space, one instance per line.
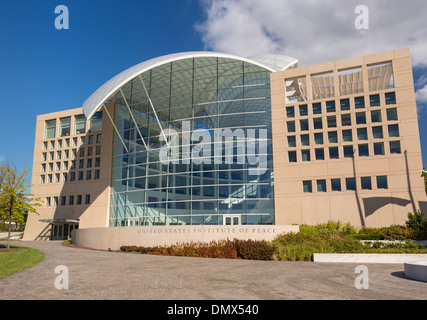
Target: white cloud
314,31
421,96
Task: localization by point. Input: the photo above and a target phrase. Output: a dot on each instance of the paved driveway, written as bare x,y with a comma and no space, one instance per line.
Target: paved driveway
114,275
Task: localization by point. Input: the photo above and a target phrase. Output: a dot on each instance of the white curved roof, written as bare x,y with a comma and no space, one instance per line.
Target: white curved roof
270,62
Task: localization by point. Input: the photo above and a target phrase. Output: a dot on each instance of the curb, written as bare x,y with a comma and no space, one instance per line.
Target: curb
368,257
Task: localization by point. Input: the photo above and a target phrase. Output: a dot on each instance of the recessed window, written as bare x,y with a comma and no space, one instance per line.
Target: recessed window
292,142
97,173
330,106
390,98
392,114
393,130
290,112
377,132
382,182
366,183
360,118
363,150
320,154
350,184
376,116
379,148
96,122
80,124
348,151
318,138
79,199
347,136
333,153
63,200
71,200
97,162
346,120
333,137
317,108
81,173
395,147
304,125
307,186
305,140
65,127
336,184
305,155
321,185
317,123
50,128
359,102
332,122
362,134
291,126
303,110
345,104
292,156
374,100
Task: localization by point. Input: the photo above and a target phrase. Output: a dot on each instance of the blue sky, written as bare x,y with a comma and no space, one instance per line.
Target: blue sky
45,70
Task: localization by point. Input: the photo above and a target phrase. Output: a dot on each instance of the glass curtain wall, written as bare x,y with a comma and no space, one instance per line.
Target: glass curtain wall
193,98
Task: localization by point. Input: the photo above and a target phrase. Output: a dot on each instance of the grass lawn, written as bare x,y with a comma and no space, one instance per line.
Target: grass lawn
14,262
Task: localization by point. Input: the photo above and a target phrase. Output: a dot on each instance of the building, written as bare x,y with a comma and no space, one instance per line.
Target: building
209,139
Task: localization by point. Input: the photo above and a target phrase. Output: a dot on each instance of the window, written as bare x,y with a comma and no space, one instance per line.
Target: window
89,163
88,175
333,153
321,185
42,179
390,98
392,114
291,126
348,151
81,164
304,125
292,156
330,106
82,152
55,201
80,124
305,155
377,132
332,122
346,120
382,182
345,104
305,140
290,112
71,200
307,186
320,154
44,145
97,162
374,100
366,183
395,147
347,136
292,141
393,130
376,116
96,122
63,200
303,110
79,199
336,184
65,177
363,150
73,176
333,137
317,108
318,138
362,134
97,174
379,148
360,118
359,102
317,123
90,140
64,127
98,150
98,138
350,184
81,175
87,199
48,201
51,156
50,128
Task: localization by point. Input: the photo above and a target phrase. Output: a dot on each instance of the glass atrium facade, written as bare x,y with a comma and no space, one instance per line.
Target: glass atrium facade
181,108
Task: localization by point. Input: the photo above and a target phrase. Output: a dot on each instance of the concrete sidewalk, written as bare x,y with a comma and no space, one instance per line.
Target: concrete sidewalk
115,275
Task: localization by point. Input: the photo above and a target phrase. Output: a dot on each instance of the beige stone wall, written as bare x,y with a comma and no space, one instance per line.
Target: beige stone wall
376,207
94,214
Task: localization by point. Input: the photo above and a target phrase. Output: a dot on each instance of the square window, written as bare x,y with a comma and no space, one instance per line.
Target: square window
382,182
347,136
333,137
346,120
336,184
345,104
393,130
321,185
360,118
376,116
318,138
359,102
391,114
305,155
366,183
292,142
333,153
317,108
363,150
307,186
290,112
291,126
390,98
362,134
348,151
330,106
395,147
350,184
305,140
379,149
304,125
374,100
377,132
292,156
332,122
303,110
320,154
317,123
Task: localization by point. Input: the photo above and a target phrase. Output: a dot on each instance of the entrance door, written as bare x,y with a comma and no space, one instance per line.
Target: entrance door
232,219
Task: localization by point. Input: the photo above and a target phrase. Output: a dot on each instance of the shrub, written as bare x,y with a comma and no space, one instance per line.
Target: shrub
397,232
415,221
254,250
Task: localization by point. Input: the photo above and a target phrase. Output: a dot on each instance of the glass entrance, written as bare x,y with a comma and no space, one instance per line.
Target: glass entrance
232,219
62,231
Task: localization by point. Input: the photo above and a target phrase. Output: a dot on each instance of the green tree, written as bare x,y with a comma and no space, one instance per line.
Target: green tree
15,201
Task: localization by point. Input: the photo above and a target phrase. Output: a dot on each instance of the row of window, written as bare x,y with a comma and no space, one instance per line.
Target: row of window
72,200
59,144
330,106
51,167
65,154
70,177
346,120
347,151
79,125
366,183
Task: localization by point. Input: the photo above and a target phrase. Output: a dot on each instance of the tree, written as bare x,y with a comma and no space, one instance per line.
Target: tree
425,180
15,201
